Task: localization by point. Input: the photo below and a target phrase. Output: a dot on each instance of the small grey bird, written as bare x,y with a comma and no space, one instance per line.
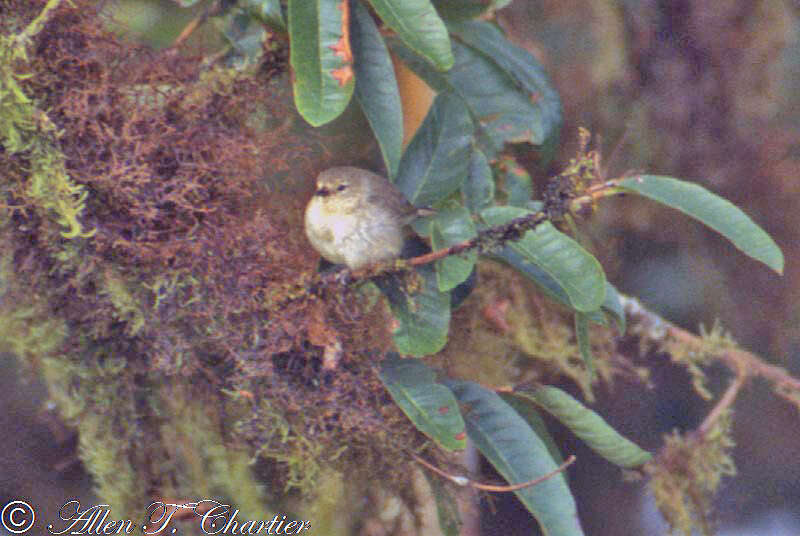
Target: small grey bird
357,217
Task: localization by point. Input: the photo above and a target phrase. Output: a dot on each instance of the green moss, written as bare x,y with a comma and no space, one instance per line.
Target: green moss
106,456
127,307
27,328
694,357
27,130
325,505
686,474
167,287
51,188
302,457
510,331
138,331
27,332
97,394
201,462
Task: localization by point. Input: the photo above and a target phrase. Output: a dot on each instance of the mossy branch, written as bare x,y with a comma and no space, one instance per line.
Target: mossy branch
24,128
38,23
653,328
486,240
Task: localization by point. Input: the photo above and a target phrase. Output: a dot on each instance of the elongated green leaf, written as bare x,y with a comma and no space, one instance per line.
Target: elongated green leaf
505,113
423,318
436,161
587,425
718,213
516,182
519,455
531,414
575,271
321,58
584,344
431,406
376,87
446,506
524,69
458,10
613,306
478,186
452,224
503,86
546,283
419,26
462,291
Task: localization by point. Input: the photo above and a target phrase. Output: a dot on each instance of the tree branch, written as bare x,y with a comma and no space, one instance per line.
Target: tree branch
742,363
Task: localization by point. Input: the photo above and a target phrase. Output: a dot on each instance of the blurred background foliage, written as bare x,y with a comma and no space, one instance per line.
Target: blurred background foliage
701,90
705,91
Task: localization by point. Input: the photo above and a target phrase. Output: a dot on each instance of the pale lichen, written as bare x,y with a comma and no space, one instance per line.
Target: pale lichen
686,474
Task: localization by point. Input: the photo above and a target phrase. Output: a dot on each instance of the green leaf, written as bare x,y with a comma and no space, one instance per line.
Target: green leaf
519,455
423,318
546,283
505,113
420,28
446,506
267,11
458,10
517,183
450,225
462,291
503,86
535,420
478,186
587,425
718,213
436,161
526,71
584,344
613,306
574,270
321,59
431,406
376,87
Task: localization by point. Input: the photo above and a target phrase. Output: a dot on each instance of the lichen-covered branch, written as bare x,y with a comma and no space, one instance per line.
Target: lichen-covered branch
694,349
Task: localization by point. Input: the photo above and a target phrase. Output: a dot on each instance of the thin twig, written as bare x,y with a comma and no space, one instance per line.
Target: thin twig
725,402
195,23
486,239
464,481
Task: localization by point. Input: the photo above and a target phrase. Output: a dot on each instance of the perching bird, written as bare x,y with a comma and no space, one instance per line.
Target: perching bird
357,217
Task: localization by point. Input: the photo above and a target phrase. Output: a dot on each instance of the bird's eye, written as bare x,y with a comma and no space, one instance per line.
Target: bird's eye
341,188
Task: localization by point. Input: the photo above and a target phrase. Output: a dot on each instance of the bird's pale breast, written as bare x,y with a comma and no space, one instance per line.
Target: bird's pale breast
355,240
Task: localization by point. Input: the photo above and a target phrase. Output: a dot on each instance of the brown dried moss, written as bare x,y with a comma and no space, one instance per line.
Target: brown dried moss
191,246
